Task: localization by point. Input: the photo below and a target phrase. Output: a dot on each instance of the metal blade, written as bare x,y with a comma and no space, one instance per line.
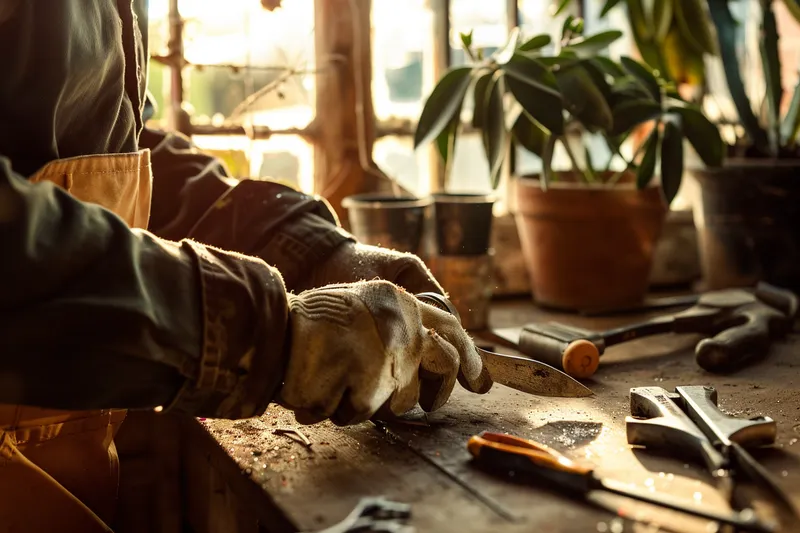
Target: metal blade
531,376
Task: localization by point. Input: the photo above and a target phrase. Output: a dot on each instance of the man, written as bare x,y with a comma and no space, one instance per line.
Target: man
100,315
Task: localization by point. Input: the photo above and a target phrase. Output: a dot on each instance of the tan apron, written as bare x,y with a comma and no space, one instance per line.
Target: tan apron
59,470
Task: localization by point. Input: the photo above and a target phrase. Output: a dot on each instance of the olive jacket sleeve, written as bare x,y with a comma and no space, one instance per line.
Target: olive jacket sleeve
190,314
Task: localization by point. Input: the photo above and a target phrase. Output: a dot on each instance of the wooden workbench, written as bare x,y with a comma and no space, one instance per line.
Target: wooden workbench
243,476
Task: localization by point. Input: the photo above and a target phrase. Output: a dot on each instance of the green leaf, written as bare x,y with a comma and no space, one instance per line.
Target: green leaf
495,135
598,77
446,141
632,113
590,174
626,89
643,74
671,160
662,18
466,39
572,26
793,6
481,97
701,133
529,134
691,19
535,88
442,104
771,63
590,46
504,54
608,66
727,34
535,43
562,5
647,167
609,5
791,122
583,98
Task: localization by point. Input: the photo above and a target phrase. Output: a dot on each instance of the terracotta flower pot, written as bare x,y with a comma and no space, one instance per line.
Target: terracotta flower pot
747,216
588,246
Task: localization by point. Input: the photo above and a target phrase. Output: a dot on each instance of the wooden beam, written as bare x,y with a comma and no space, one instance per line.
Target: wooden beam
345,119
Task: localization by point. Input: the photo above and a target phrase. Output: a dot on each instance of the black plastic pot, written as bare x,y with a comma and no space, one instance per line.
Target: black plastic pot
463,223
382,220
748,221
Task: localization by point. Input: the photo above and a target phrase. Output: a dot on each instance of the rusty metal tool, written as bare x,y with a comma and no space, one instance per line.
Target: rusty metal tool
520,373
737,324
690,421
375,515
507,453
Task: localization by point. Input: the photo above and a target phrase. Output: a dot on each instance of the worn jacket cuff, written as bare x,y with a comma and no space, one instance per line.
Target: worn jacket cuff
297,247
245,318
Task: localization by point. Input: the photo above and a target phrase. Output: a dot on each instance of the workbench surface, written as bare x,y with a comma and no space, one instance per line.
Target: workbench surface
260,480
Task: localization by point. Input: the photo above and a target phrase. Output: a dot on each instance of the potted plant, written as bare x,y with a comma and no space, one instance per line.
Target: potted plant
392,221
587,232
748,212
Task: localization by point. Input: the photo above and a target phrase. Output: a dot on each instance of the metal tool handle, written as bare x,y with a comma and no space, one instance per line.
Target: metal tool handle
440,302
659,423
783,300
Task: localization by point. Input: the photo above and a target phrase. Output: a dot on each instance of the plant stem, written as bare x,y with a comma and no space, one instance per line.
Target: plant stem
575,166
617,175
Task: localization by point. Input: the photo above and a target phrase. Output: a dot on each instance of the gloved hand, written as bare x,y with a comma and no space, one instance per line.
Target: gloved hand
356,262
356,348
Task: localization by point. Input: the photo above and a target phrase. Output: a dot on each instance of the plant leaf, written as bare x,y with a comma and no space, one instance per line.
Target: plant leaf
771,63
691,19
644,174
661,18
609,5
791,122
590,46
701,133
530,135
728,46
536,89
608,66
446,144
793,6
535,43
466,39
631,113
643,75
494,132
443,102
504,54
583,98
562,5
671,160
481,97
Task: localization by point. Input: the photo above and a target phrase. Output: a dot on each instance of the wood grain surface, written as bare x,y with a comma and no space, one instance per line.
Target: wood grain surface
274,482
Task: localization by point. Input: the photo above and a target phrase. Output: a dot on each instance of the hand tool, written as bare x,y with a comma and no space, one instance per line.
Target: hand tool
690,421
520,373
737,323
377,515
507,453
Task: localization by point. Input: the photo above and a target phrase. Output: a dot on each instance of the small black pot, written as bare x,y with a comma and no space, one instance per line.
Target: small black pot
463,223
383,220
748,221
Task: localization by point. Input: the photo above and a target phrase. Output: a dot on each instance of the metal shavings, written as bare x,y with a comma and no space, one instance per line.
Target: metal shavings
291,432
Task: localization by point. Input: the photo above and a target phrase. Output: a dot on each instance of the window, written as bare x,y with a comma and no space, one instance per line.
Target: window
249,79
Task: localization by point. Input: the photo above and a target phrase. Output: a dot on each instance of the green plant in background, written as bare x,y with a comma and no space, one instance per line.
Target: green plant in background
540,99
672,36
768,134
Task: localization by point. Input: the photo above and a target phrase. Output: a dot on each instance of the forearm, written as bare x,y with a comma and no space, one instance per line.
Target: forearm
95,315
194,197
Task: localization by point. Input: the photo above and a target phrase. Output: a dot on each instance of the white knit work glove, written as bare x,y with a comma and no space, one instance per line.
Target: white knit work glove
357,348
353,262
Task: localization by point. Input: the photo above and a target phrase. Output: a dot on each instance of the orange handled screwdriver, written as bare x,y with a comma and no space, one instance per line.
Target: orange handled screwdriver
506,453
